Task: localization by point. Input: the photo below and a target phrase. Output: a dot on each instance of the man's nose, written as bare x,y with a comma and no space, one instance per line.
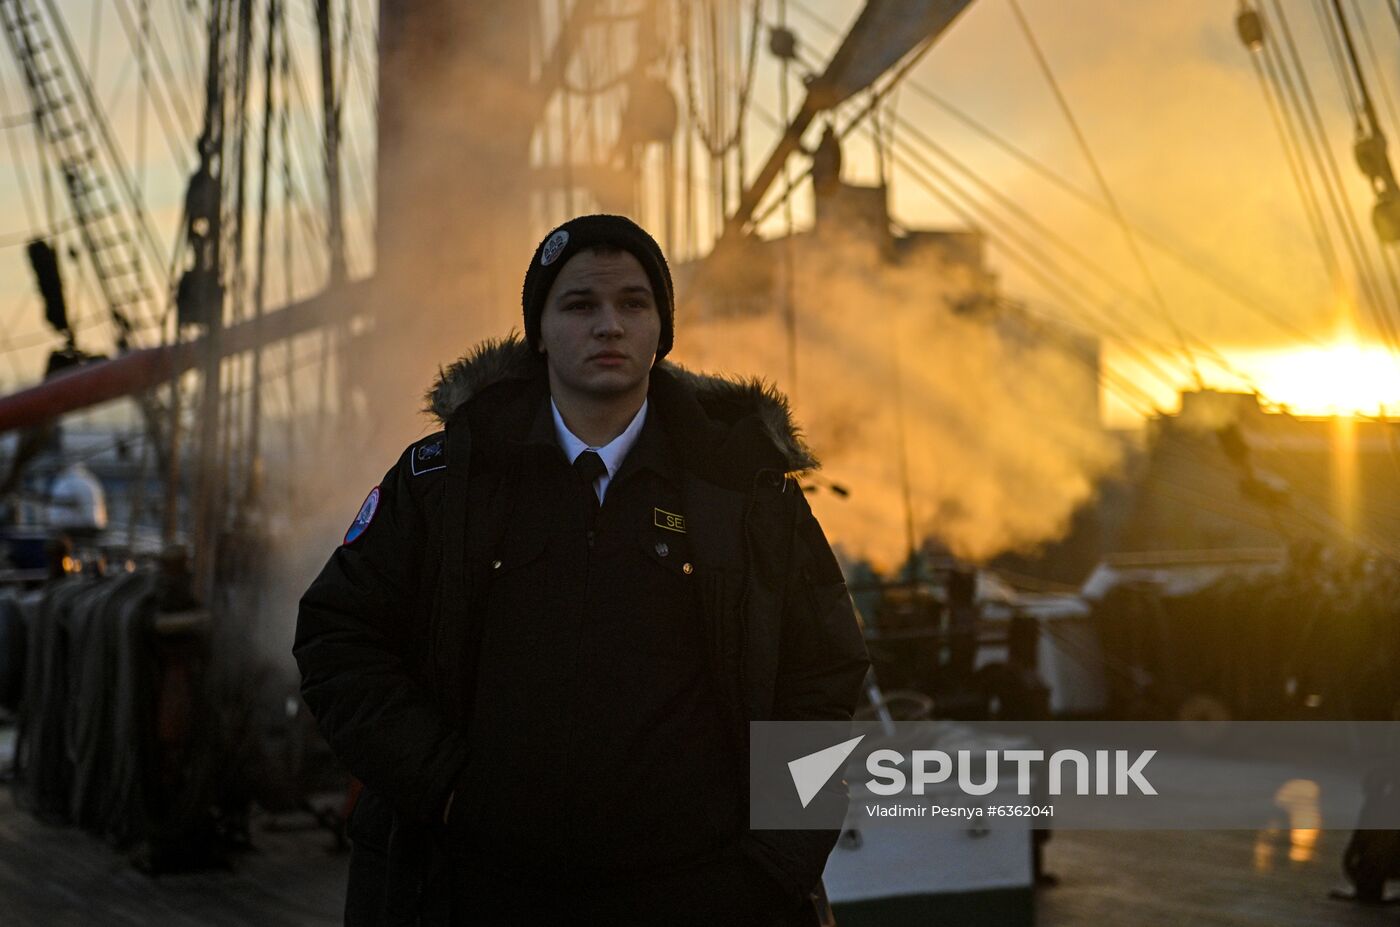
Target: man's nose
608,322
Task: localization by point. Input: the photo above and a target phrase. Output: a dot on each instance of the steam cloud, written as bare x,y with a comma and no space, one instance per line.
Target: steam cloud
1000,420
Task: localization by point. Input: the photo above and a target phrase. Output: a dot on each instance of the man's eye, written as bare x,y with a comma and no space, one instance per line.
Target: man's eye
577,307
637,304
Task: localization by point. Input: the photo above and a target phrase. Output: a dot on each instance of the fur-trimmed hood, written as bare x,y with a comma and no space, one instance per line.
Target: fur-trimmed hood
726,404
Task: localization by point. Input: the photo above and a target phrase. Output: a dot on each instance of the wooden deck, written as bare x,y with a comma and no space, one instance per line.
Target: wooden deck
61,877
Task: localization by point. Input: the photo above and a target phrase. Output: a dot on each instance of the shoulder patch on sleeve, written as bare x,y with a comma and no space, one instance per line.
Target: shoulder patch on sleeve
365,516
428,455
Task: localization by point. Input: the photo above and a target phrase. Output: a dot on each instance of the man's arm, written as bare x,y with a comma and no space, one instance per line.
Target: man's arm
821,667
359,630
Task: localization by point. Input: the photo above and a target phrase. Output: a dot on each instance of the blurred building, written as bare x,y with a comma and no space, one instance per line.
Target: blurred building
1226,474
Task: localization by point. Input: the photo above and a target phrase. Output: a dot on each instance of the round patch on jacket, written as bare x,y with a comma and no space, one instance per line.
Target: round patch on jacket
366,515
550,252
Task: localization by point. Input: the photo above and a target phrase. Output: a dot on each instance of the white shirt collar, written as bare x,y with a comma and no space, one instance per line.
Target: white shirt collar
613,453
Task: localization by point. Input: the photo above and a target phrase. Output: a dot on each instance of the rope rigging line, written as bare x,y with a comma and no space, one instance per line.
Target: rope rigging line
1044,269
305,217
1271,88
362,193
1199,265
1346,55
179,136
789,260
1344,76
185,42
1108,326
21,174
1115,326
255,412
1327,168
714,144
143,95
1140,402
1373,132
1359,12
1196,264
1282,77
94,33
1236,289
1060,242
1104,189
1379,177
145,231
914,161
364,50
309,140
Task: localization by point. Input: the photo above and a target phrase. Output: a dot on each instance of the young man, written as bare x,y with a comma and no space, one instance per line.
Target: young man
546,631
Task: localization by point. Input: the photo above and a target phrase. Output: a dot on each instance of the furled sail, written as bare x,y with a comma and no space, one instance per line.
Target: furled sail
885,32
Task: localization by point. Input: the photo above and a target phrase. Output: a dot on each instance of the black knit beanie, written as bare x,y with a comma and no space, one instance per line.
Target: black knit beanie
581,234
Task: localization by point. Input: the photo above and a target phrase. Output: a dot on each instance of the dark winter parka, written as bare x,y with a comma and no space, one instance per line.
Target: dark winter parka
387,638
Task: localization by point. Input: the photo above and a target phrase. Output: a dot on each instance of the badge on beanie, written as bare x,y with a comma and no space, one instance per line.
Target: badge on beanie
550,253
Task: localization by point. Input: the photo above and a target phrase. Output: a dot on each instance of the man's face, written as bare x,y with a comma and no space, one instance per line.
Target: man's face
600,326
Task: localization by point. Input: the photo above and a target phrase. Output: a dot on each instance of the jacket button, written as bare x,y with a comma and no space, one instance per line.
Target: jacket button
662,549
687,569
495,564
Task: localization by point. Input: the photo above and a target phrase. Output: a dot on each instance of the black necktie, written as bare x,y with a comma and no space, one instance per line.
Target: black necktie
589,466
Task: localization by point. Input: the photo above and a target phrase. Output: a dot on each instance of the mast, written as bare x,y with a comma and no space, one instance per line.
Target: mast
209,488
274,23
330,116
883,34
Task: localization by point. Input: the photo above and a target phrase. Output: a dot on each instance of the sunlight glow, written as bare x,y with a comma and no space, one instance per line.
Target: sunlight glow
1343,378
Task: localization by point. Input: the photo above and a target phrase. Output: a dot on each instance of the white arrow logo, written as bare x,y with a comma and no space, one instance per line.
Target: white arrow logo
810,772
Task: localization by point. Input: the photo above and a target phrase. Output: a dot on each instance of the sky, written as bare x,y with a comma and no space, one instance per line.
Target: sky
1172,110
1165,95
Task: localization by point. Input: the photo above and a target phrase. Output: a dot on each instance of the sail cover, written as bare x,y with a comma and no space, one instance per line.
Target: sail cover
885,32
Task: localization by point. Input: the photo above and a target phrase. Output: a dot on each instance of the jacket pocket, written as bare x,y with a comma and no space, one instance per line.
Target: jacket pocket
517,580
514,554
670,552
370,822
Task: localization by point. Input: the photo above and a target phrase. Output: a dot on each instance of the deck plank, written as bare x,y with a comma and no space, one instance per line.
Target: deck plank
61,876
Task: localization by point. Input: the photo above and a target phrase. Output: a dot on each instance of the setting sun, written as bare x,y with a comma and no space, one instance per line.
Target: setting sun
1337,379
